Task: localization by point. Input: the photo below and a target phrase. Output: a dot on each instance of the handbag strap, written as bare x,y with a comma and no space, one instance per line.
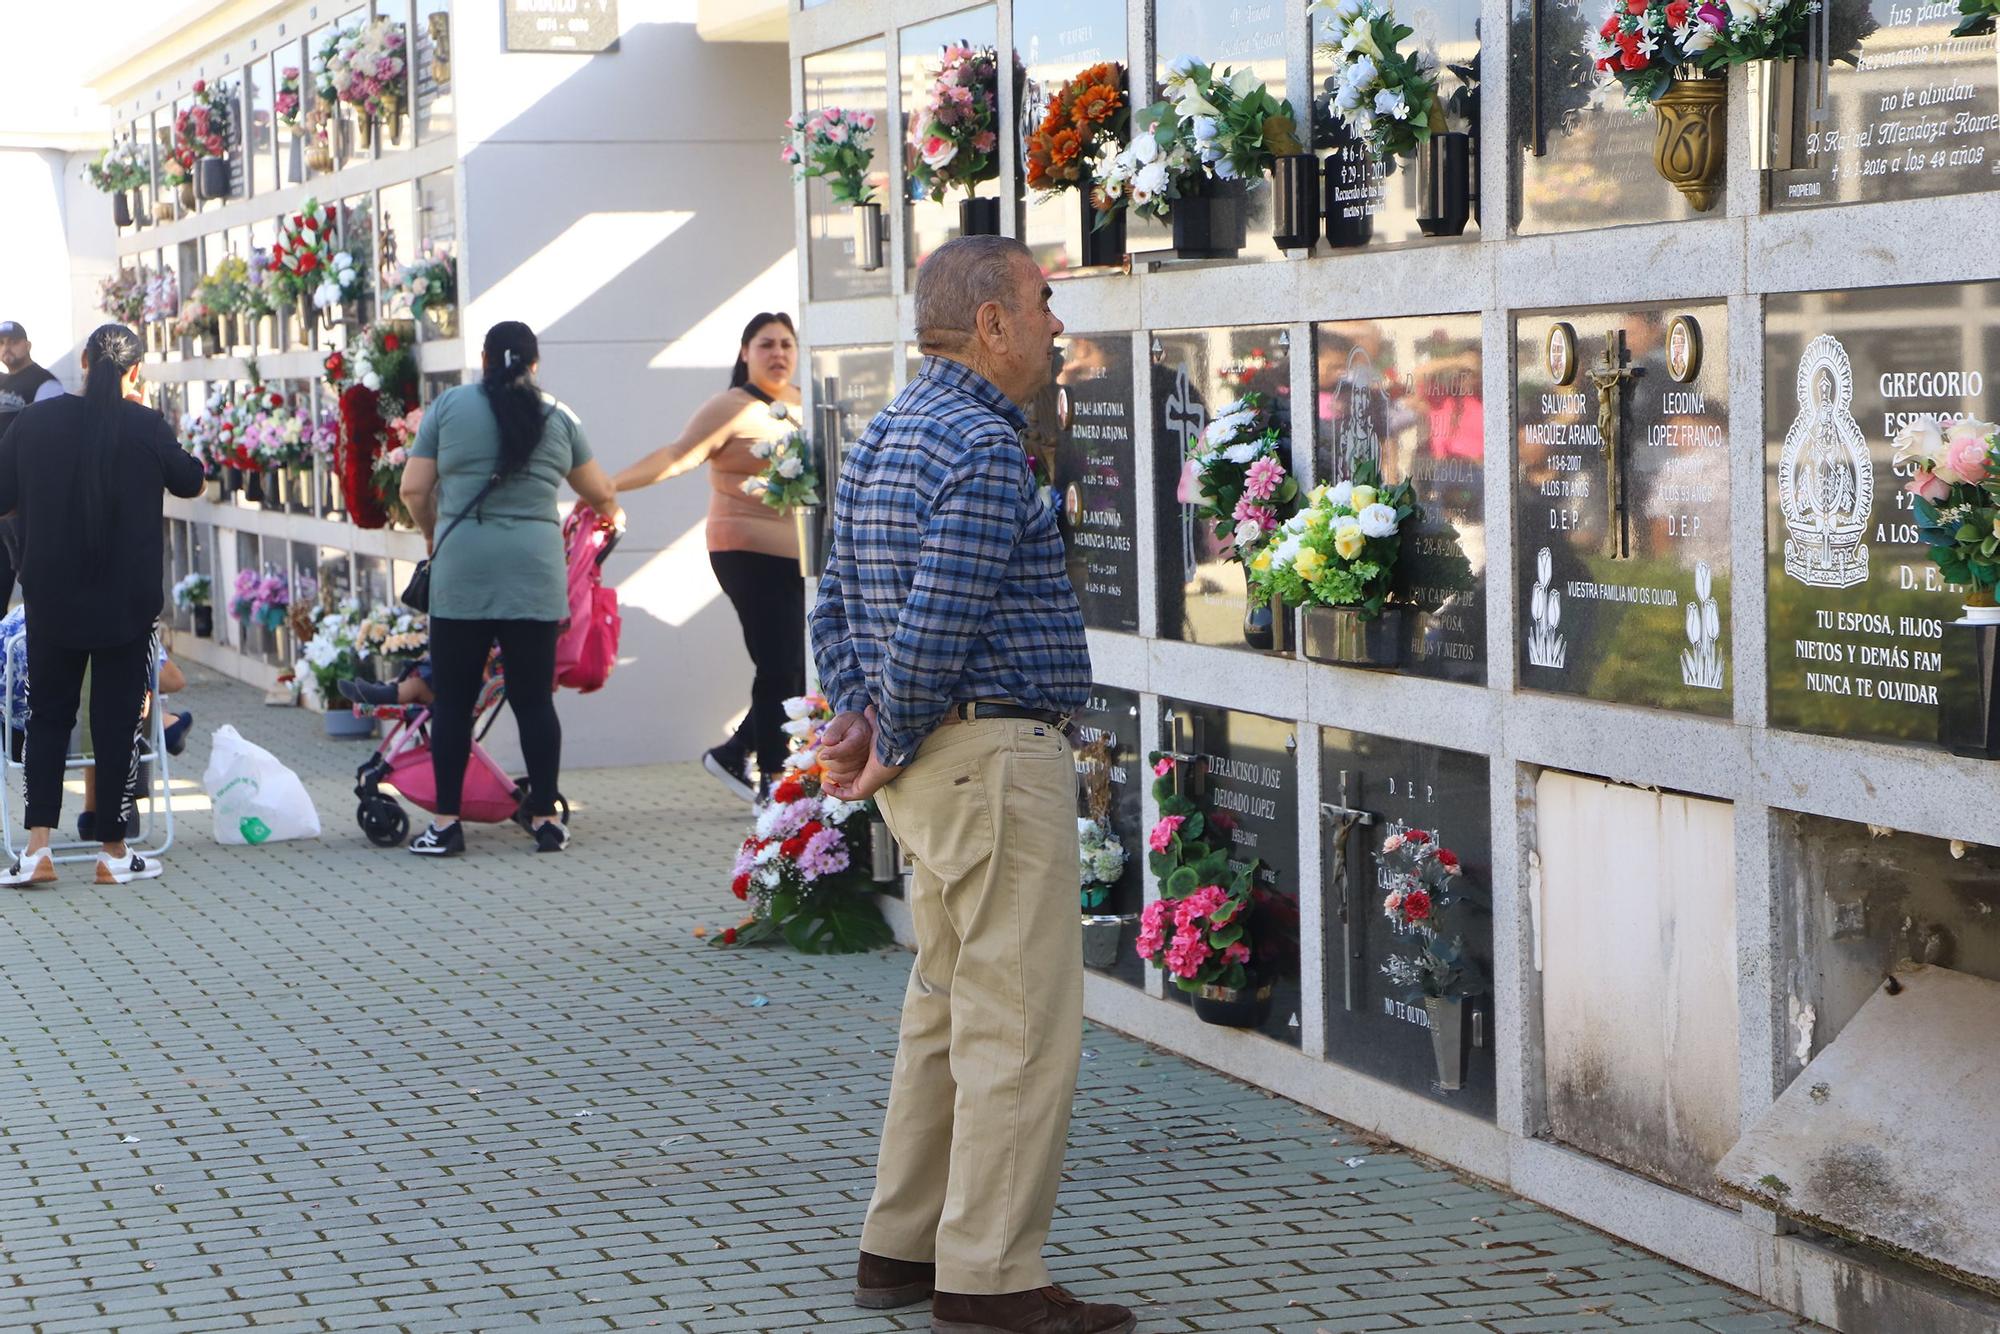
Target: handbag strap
491,482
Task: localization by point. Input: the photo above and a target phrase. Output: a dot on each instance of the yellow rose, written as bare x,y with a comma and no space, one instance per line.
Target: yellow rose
1263,561
1348,541
1363,497
1309,564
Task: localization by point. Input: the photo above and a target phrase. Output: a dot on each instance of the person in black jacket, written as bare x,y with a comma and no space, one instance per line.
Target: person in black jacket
84,477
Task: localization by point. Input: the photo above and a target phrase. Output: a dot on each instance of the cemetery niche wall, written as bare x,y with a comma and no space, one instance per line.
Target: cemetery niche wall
1080,438
841,260
1622,517
1054,40
1110,798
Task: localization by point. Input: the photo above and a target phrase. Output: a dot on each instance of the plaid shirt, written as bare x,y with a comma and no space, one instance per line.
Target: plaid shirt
946,581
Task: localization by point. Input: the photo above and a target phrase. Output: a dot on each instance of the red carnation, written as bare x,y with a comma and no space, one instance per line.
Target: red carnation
740,886
788,791
729,935
1417,905
1416,836
390,342
277,400
1447,859
201,85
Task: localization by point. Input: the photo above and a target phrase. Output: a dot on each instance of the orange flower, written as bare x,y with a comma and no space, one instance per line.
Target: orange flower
1097,104
1064,145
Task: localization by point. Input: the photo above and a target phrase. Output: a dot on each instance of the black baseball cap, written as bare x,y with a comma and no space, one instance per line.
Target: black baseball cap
12,329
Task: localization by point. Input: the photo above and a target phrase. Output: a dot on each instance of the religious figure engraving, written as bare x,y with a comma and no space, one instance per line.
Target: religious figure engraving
1358,436
1826,478
1609,374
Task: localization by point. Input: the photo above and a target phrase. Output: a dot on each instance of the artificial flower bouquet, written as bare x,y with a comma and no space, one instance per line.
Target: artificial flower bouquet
363,67
227,288
118,168
396,634
1955,499
955,133
1241,484
431,282
287,102
1341,549
194,319
789,480
1387,99
1645,44
1100,861
264,597
1426,890
333,653
380,361
1214,125
201,128
831,145
306,262
398,434
1083,126
122,296
1198,929
163,295
192,591
804,870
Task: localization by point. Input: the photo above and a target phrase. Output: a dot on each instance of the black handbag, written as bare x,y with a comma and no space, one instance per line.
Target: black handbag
417,593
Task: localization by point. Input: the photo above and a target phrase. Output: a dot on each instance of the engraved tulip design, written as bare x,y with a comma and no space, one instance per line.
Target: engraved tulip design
1545,646
1701,662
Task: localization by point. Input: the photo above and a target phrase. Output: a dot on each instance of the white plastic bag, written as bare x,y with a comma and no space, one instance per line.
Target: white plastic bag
255,798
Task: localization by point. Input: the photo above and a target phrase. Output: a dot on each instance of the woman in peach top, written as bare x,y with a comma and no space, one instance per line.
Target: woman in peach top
753,548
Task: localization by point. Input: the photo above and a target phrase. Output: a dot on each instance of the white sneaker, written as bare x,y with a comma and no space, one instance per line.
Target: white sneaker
124,870
31,870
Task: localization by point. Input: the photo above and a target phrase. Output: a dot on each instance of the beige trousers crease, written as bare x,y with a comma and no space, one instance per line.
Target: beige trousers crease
992,1030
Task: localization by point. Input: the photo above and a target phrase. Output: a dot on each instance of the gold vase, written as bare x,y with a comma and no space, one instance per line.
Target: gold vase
186,193
1689,139
364,131
319,157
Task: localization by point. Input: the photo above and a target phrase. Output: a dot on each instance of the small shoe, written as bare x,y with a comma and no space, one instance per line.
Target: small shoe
367,692
551,836
126,867
436,842
177,733
882,1284
31,870
1047,1310
729,770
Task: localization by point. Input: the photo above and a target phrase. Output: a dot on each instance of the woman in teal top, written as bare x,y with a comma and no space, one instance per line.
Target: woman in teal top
486,465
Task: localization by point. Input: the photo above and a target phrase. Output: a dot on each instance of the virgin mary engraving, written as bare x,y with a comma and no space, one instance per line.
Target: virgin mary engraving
1826,478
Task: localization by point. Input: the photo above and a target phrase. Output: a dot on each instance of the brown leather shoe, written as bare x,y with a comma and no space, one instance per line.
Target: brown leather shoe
1047,1310
882,1284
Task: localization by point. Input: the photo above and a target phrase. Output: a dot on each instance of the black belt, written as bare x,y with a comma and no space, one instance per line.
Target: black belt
976,709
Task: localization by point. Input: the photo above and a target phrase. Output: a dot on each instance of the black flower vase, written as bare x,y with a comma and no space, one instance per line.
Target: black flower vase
1444,184
121,209
1295,201
1210,225
211,178
979,216
232,481
1103,247
253,485
1350,221
204,622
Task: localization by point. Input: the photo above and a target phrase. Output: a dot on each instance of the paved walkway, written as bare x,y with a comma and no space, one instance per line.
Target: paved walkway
318,1086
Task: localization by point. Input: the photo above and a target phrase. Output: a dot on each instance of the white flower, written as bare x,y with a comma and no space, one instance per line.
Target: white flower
1287,549
1152,179
1388,103
1297,523
1108,863
781,412
834,811
1338,496
1225,170
937,152
1244,452
799,727
1377,521
762,449
1205,128
371,380
751,486
1247,532
790,466
1362,73
798,706
1699,38
1745,11
326,294
1244,81
1225,427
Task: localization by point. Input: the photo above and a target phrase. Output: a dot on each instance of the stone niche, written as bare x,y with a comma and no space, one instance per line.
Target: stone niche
1856,612
1405,394
1111,778
1080,434
1250,783
1637,917
857,78
849,386
929,224
1368,786
1053,41
1194,373
1622,565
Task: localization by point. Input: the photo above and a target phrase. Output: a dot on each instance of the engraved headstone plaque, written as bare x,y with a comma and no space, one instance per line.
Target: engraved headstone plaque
1370,785
1856,611
854,78
1889,105
1622,509
1447,33
850,385
1080,432
929,224
1194,372
1053,40
1111,779
1251,787
1405,395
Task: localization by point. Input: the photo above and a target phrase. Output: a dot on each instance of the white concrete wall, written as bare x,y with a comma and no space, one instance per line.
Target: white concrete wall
631,208
52,211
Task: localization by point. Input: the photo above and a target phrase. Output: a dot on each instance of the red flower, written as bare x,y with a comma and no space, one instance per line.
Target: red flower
1416,836
796,844
729,935
1629,54
1417,905
1677,12
1635,7
1447,859
740,886
201,85
788,791
1610,28
277,400
390,342
298,219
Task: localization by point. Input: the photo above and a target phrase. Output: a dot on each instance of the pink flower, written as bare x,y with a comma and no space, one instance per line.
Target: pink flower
865,121
1162,767
836,133
1391,843
825,853
984,141
1207,899
1237,953
1266,519
788,153
1928,485
1154,913
1162,836
1263,478
1965,454
1186,955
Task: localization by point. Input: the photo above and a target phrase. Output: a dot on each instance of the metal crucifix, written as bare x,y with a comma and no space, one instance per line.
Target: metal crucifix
1609,374
1344,820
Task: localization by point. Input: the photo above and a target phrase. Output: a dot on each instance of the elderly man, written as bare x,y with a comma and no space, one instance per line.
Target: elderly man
950,641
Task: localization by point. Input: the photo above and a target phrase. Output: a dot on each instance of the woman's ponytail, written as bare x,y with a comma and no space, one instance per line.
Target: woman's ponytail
511,349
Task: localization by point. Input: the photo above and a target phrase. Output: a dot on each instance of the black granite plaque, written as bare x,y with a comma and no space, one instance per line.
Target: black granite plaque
1081,433
850,385
1250,786
1622,554
1447,32
928,224
1053,40
1581,158
1111,779
1900,109
854,78
1194,372
1368,786
1249,35
1856,611
1405,394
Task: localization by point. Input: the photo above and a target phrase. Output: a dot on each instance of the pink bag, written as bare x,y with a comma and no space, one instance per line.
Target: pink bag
587,649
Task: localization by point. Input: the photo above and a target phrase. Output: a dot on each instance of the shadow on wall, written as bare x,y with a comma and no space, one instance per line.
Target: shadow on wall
636,214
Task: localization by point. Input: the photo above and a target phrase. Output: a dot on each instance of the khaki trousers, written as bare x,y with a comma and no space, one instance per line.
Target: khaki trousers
992,1030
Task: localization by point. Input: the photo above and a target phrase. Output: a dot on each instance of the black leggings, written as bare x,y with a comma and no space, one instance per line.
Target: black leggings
458,667
119,676
769,595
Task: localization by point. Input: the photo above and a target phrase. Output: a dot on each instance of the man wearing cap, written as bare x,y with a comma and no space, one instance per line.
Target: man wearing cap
21,382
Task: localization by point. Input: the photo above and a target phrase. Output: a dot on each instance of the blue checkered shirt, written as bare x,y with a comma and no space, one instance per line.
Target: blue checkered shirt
946,580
